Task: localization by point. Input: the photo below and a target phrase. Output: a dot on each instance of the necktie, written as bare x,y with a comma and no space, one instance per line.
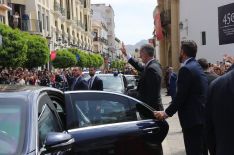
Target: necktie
74,83
90,82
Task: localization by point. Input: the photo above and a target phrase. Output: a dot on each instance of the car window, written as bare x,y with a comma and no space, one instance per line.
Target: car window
12,125
100,108
141,111
47,121
113,83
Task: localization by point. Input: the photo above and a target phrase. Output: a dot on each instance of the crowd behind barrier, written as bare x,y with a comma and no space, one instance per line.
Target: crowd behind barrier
57,78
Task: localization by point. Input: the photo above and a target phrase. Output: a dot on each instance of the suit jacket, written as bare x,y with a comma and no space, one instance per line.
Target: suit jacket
220,109
191,95
97,84
80,84
211,77
149,85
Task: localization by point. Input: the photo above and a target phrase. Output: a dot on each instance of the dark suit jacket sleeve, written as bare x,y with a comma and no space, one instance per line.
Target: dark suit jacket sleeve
83,85
138,66
183,88
100,84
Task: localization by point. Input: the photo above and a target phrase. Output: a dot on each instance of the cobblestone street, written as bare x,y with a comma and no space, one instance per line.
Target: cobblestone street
173,144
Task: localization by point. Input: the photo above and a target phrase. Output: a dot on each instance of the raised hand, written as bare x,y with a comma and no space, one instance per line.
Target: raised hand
123,50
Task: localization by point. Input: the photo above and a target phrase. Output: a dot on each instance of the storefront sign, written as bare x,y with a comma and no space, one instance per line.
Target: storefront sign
226,24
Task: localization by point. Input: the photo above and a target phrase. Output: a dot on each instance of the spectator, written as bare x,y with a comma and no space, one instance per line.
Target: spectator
205,66
172,83
94,83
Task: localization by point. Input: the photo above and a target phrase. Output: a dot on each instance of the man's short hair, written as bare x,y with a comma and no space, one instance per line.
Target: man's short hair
93,67
78,68
148,49
189,47
204,63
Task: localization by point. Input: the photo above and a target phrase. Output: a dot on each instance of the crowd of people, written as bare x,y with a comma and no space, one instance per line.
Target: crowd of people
71,79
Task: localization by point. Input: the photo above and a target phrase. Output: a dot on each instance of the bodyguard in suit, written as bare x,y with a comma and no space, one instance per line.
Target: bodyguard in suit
220,109
149,85
77,82
190,100
205,66
94,83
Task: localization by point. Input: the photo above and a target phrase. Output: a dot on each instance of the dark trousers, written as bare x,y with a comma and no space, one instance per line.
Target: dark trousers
194,140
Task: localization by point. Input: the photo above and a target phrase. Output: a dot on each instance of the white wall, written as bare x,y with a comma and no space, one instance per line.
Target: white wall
202,15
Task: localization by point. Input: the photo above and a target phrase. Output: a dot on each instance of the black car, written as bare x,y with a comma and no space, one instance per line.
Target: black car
132,80
116,83
42,120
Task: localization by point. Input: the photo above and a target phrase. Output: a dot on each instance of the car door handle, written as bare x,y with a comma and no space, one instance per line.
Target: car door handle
151,129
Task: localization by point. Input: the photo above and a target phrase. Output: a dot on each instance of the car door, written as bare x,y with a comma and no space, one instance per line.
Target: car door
48,120
108,123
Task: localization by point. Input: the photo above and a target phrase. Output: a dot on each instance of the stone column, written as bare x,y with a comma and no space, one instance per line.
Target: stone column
162,54
175,40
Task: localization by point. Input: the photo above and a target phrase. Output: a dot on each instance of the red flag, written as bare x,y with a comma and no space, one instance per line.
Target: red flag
157,25
52,55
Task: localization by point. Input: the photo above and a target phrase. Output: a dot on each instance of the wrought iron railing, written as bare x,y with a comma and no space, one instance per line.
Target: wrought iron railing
30,25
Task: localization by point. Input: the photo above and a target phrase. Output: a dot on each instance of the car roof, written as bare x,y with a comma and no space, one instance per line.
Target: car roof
17,88
10,90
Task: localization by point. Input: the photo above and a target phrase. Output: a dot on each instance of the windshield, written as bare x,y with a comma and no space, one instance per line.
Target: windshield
12,120
112,83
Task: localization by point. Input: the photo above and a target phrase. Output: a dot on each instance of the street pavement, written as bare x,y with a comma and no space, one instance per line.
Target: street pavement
173,143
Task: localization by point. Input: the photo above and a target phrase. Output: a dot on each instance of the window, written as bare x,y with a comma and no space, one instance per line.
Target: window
140,111
12,125
47,121
47,23
2,19
203,38
43,21
101,109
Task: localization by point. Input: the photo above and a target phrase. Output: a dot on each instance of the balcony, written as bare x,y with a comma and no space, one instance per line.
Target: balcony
81,25
32,25
99,39
59,10
4,7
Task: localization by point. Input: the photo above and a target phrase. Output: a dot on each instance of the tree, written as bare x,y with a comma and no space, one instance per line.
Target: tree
13,49
81,56
100,60
86,60
38,51
64,59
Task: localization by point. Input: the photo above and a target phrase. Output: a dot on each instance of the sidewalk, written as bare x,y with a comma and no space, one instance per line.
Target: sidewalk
174,143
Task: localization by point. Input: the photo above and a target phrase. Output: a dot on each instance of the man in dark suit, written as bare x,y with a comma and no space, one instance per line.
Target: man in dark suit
94,83
190,100
220,109
149,85
205,66
77,82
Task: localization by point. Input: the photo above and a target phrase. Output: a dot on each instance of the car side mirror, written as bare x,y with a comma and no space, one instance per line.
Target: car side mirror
56,141
130,86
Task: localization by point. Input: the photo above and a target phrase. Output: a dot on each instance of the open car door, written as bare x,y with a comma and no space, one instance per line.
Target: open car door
109,123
